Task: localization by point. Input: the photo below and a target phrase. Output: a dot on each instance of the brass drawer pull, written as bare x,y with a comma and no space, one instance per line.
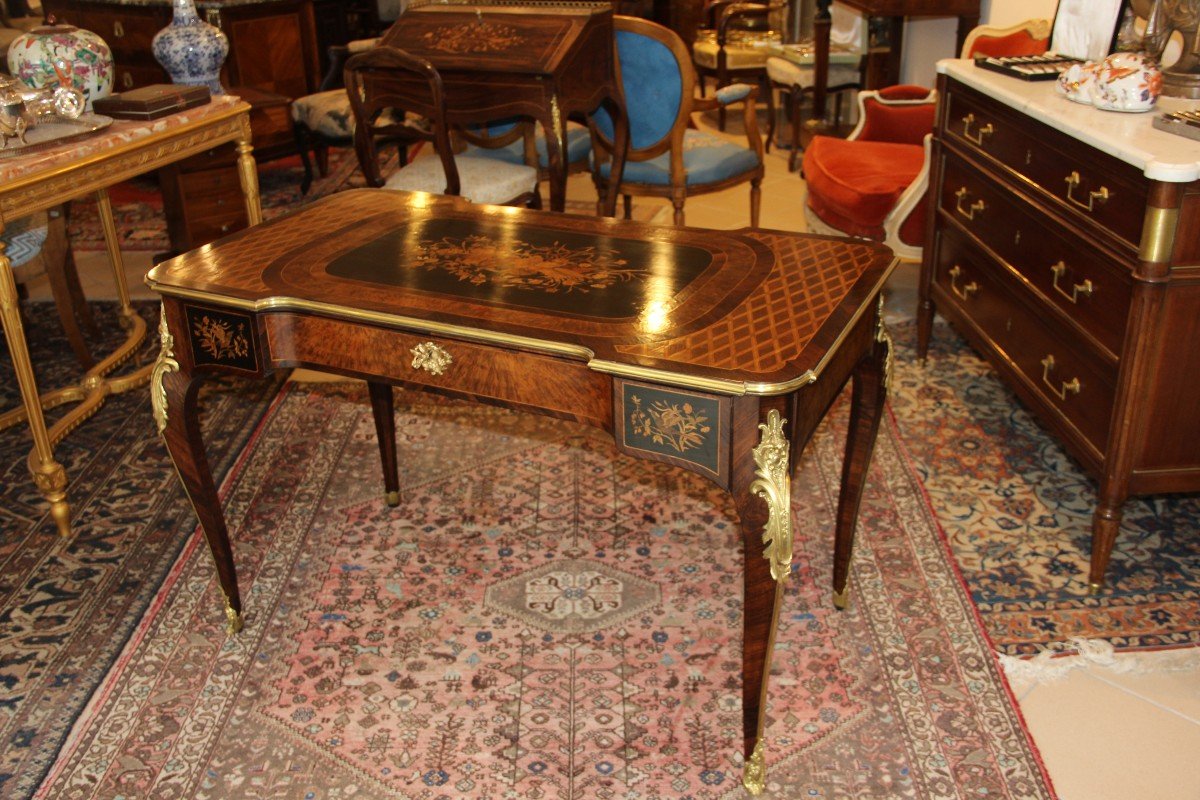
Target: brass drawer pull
984,132
430,357
1086,288
965,292
976,208
118,30
1067,387
127,80
1098,197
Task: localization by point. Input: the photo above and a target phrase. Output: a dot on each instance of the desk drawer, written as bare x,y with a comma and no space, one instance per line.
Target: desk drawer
558,386
1075,390
1099,193
1090,288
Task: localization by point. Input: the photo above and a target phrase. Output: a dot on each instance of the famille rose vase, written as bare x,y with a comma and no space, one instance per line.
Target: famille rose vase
191,50
63,56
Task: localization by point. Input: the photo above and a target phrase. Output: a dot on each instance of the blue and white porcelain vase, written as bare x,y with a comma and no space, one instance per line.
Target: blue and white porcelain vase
191,50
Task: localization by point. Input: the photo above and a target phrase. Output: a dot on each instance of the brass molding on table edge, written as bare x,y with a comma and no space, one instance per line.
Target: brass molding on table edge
773,485
165,363
754,773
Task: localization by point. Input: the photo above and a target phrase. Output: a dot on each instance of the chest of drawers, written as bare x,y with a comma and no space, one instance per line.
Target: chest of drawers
1064,244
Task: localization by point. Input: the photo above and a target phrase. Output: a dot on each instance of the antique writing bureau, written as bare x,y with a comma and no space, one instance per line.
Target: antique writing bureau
1064,243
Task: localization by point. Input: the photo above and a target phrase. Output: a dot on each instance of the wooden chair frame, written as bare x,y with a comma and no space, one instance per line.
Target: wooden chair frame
677,190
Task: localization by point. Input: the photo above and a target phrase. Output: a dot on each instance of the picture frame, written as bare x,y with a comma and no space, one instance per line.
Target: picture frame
1086,29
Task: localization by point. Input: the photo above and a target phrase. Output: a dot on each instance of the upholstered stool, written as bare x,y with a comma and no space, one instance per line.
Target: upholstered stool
796,80
323,119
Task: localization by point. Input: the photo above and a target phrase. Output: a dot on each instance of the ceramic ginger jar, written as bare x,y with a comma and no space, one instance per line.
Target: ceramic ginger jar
63,55
191,50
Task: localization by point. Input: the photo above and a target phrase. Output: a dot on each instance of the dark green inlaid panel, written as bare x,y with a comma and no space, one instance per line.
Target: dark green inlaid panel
687,428
225,338
538,268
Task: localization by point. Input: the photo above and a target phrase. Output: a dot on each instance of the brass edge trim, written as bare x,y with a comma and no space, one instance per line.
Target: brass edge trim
408,324
673,379
1158,234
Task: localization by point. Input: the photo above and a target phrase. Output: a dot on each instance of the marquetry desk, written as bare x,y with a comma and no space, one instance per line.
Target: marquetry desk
48,177
545,60
716,351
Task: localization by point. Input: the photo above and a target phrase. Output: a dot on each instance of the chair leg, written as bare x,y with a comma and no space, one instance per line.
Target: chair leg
770,114
677,202
64,287
304,145
755,201
795,96
628,200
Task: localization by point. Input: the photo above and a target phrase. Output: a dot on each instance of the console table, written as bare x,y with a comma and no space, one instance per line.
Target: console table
547,60
1064,244
46,178
716,351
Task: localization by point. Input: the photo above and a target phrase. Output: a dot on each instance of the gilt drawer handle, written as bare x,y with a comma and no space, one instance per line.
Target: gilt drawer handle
127,80
1065,388
965,292
983,133
1095,198
1086,288
430,357
118,30
975,208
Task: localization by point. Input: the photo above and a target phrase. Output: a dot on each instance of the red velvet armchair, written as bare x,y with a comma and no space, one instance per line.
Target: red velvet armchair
872,184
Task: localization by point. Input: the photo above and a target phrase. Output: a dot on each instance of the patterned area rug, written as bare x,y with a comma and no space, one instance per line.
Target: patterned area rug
67,607
1017,511
542,617
138,205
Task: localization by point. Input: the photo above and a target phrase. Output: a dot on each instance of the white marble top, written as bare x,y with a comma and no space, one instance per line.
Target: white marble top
1161,156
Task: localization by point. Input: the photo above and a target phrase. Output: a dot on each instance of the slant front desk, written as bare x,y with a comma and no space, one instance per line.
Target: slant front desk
546,60
630,327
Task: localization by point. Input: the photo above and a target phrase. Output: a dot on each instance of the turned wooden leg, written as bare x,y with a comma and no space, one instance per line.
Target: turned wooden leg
762,493
174,402
755,201
1106,523
383,409
866,410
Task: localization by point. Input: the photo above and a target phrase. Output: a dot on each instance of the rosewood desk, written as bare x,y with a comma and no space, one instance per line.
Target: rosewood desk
48,176
716,351
546,60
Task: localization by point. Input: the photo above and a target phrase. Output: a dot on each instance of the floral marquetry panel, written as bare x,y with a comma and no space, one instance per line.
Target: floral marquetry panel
685,428
221,338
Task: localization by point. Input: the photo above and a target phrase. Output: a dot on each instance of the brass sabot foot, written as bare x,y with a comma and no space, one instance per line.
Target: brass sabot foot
841,600
1095,589
393,499
234,622
754,774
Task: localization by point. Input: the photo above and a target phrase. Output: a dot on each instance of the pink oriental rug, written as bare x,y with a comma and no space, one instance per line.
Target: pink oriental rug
542,617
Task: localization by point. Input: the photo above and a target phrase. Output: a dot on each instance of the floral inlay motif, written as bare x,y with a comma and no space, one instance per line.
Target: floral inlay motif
552,268
679,426
220,339
480,37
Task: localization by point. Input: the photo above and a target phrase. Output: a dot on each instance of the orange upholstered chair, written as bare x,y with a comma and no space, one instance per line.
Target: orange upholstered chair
872,184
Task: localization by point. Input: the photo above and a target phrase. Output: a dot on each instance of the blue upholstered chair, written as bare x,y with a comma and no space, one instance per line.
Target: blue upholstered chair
508,141
385,79
665,158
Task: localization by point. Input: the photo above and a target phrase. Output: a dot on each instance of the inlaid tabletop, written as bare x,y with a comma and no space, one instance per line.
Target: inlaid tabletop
755,310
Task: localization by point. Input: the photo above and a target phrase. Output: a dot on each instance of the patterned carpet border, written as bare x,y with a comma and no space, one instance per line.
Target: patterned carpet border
68,606
383,656
1016,511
